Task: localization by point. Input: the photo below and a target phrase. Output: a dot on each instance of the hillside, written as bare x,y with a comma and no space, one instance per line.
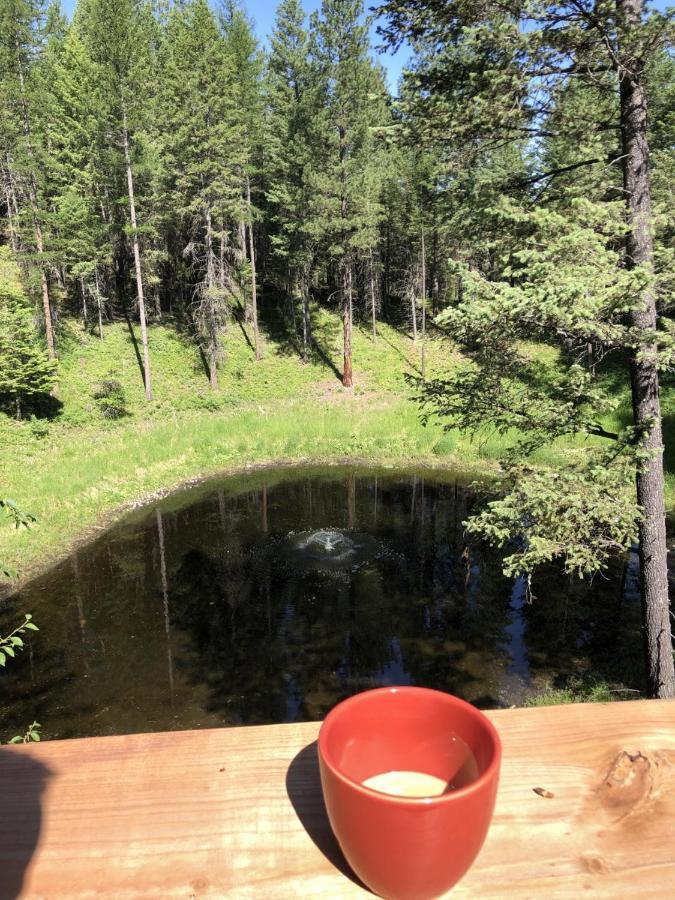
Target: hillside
74,467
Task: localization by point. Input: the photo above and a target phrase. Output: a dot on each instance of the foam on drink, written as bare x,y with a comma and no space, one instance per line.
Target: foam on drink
407,784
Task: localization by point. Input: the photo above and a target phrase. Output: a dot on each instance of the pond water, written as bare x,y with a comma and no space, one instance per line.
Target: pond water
271,596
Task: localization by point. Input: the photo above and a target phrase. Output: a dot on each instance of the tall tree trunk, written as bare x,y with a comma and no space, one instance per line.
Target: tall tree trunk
347,374
373,304
345,268
434,272
221,260
13,239
413,309
644,370
37,228
84,300
306,317
137,260
212,349
99,305
254,289
44,286
423,251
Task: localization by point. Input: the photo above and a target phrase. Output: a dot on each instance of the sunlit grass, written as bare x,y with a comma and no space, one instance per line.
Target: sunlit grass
76,471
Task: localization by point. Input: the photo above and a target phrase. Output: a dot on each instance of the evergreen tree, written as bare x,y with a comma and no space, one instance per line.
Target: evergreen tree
344,203
74,112
25,368
246,95
118,43
291,95
489,75
204,150
22,39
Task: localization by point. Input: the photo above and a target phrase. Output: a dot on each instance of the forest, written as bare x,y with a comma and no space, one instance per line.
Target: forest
491,246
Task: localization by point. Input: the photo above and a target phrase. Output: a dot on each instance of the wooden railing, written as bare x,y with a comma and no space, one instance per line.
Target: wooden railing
586,807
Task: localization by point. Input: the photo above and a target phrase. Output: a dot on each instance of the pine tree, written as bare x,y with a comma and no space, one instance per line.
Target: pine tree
74,113
344,202
291,95
26,370
490,75
22,38
246,94
204,149
118,44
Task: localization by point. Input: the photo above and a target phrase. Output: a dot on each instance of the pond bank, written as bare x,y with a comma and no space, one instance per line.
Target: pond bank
85,480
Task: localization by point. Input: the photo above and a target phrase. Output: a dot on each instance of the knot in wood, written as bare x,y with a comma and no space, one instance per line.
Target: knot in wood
627,783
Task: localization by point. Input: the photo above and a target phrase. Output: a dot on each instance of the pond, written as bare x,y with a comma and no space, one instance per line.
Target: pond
270,596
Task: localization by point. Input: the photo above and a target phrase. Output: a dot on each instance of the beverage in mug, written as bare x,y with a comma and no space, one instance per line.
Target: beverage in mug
409,777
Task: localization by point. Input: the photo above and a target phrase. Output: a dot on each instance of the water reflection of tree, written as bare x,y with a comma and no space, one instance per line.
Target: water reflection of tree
581,629
274,641
205,595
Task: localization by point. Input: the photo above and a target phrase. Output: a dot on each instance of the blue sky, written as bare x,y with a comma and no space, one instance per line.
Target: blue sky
263,13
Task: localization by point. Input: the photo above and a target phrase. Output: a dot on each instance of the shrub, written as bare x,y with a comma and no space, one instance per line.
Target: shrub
110,399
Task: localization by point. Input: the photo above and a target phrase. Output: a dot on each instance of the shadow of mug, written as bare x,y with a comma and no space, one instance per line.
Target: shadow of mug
303,786
22,782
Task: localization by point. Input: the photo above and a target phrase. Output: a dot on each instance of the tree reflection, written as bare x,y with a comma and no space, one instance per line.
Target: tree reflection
216,608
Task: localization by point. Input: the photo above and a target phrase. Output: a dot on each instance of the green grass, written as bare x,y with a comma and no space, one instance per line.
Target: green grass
578,691
78,470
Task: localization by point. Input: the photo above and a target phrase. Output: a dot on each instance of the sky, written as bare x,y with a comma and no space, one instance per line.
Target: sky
263,14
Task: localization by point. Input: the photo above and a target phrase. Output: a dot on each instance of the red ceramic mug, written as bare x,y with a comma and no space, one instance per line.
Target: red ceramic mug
407,848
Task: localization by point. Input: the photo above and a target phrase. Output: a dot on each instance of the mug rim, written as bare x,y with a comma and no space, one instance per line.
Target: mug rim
490,772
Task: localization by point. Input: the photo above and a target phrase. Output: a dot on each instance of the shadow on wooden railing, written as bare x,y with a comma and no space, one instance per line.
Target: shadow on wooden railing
24,780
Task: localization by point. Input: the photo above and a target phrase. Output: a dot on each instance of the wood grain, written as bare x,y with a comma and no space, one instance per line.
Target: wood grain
238,812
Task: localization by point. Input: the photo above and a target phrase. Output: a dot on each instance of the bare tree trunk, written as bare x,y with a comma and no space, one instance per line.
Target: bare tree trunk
644,369
413,309
306,318
434,272
387,263
347,374
423,250
137,261
37,228
254,290
44,285
212,349
221,271
99,305
373,304
13,239
84,300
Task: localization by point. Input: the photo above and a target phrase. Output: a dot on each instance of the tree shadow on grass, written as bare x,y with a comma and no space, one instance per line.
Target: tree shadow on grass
397,350
303,785
22,783
280,332
134,344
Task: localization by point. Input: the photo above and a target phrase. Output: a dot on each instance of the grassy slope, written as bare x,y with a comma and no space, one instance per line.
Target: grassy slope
76,472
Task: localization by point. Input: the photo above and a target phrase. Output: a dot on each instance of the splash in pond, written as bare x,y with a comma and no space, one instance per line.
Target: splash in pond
330,548
269,597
